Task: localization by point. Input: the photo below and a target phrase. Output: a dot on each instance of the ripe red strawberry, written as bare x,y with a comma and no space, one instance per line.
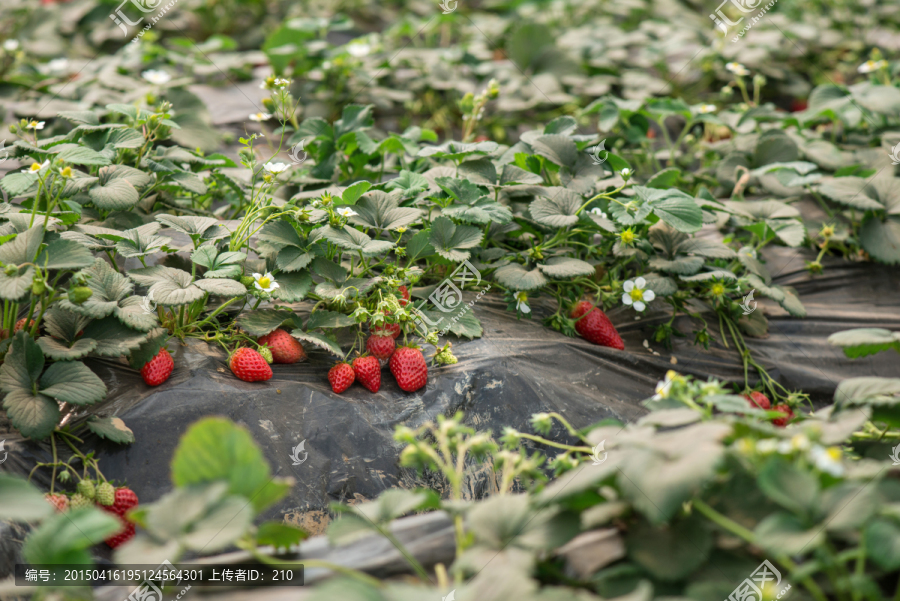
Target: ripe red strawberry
125,500
21,323
404,294
409,368
124,535
781,422
249,366
368,371
380,346
595,326
158,369
387,329
61,502
341,376
759,400
285,348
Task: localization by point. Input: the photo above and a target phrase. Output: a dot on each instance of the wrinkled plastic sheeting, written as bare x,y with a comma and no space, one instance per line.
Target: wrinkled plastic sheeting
516,369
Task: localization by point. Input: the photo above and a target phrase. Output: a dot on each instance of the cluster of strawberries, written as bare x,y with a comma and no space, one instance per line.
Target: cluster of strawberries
761,401
250,365
104,495
406,363
247,364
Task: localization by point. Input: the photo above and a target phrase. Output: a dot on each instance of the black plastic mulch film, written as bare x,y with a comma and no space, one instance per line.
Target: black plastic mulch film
516,369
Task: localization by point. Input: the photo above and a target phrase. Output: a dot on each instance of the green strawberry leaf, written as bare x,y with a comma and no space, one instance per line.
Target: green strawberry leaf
215,449
319,340
450,240
112,429
72,382
264,321
862,342
382,211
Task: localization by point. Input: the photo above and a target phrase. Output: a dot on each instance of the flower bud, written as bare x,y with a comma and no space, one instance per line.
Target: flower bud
79,294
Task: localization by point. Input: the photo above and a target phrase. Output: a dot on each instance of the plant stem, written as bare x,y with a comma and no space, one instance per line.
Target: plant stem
748,536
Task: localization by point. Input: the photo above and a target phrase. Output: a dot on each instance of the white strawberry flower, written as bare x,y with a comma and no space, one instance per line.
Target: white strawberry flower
704,109
871,66
265,283
738,69
636,294
827,460
35,167
260,117
34,124
626,172
276,168
522,302
282,83
358,49
157,77
345,212
11,45
599,212
767,446
664,387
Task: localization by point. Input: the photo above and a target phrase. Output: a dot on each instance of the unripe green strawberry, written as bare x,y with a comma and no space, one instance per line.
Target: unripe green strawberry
247,281
38,286
446,358
86,488
78,500
106,494
266,354
79,294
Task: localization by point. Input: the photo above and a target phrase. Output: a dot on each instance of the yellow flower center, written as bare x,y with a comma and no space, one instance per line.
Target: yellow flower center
35,166
33,124
67,172
264,282
718,289
636,294
627,237
834,453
